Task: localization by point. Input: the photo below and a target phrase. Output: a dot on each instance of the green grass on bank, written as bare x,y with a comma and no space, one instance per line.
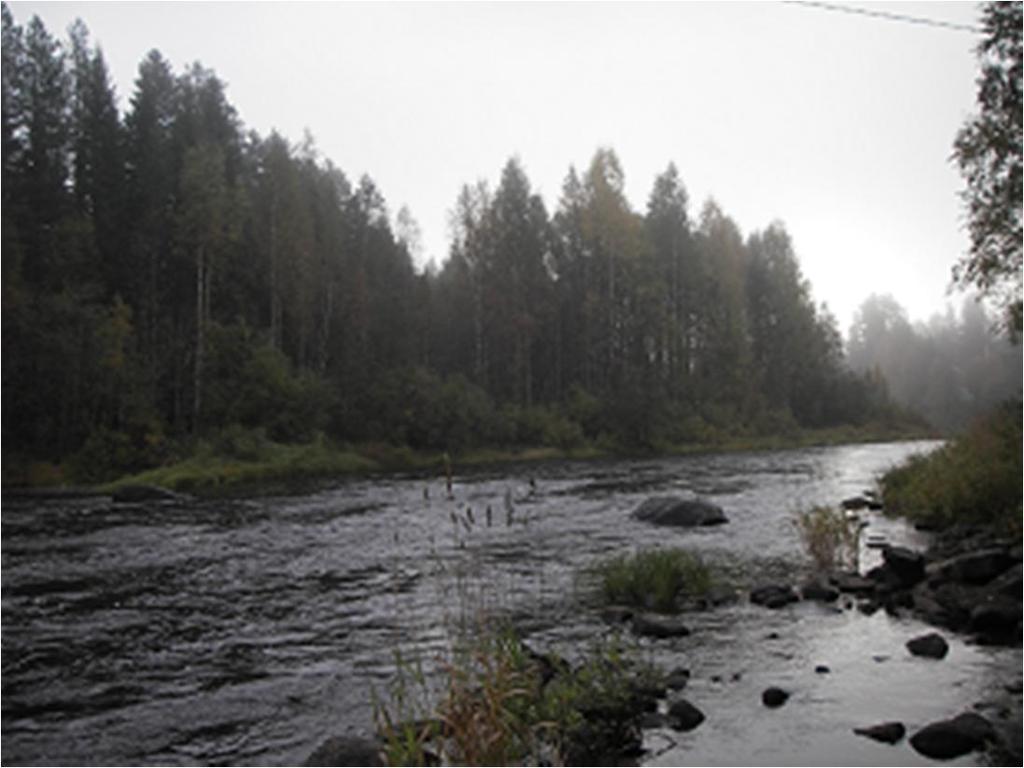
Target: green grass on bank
975,478
236,458
498,702
276,463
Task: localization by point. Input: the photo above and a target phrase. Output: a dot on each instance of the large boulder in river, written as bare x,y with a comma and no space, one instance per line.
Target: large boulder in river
683,513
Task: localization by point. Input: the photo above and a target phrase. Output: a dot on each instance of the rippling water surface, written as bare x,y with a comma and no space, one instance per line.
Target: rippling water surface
246,631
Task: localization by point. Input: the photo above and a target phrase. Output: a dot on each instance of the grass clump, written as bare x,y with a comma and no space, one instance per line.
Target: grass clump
501,703
829,536
974,479
654,579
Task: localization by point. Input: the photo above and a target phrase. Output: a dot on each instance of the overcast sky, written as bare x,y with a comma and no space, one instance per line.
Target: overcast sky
840,125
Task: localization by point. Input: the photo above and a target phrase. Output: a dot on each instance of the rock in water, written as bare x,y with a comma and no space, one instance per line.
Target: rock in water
654,625
907,565
346,750
947,739
932,646
683,716
774,697
977,567
677,679
773,595
815,590
853,583
889,733
136,494
855,502
684,513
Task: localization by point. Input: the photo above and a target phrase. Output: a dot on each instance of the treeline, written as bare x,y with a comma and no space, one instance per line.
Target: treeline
952,370
167,273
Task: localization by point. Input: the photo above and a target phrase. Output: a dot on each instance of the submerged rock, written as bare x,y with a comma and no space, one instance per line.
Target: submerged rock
933,646
947,739
773,595
815,590
889,733
656,625
137,494
685,513
346,750
616,614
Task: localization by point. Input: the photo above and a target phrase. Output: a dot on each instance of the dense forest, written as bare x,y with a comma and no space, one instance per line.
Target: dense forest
168,274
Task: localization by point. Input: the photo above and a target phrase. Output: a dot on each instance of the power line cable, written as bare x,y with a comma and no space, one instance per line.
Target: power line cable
888,15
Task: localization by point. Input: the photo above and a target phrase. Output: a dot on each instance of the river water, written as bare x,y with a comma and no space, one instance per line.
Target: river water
246,631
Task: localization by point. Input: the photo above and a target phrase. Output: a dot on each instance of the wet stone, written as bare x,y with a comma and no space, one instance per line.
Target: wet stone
815,590
774,697
678,512
684,716
651,720
656,625
346,750
677,679
932,646
946,739
888,733
773,595
616,614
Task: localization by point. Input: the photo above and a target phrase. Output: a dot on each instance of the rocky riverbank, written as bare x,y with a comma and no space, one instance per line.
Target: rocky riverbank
967,584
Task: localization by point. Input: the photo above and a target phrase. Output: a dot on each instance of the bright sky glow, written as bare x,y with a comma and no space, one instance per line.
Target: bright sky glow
839,125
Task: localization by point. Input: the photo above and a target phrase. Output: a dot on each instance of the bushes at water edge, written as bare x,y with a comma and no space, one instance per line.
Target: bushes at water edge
975,478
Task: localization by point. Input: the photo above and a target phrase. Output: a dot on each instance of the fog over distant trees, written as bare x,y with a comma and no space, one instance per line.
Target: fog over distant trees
168,273
953,368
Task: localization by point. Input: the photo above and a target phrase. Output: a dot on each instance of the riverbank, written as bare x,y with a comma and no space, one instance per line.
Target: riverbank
230,466
849,661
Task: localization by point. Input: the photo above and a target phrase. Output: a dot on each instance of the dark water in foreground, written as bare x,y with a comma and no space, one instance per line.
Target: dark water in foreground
247,631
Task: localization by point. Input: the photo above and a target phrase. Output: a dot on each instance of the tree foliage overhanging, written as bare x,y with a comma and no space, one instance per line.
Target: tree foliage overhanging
167,273
988,150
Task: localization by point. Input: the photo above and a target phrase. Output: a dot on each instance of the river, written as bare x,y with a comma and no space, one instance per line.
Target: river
246,631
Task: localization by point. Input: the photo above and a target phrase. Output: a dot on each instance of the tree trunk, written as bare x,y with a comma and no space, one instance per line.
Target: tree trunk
202,292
